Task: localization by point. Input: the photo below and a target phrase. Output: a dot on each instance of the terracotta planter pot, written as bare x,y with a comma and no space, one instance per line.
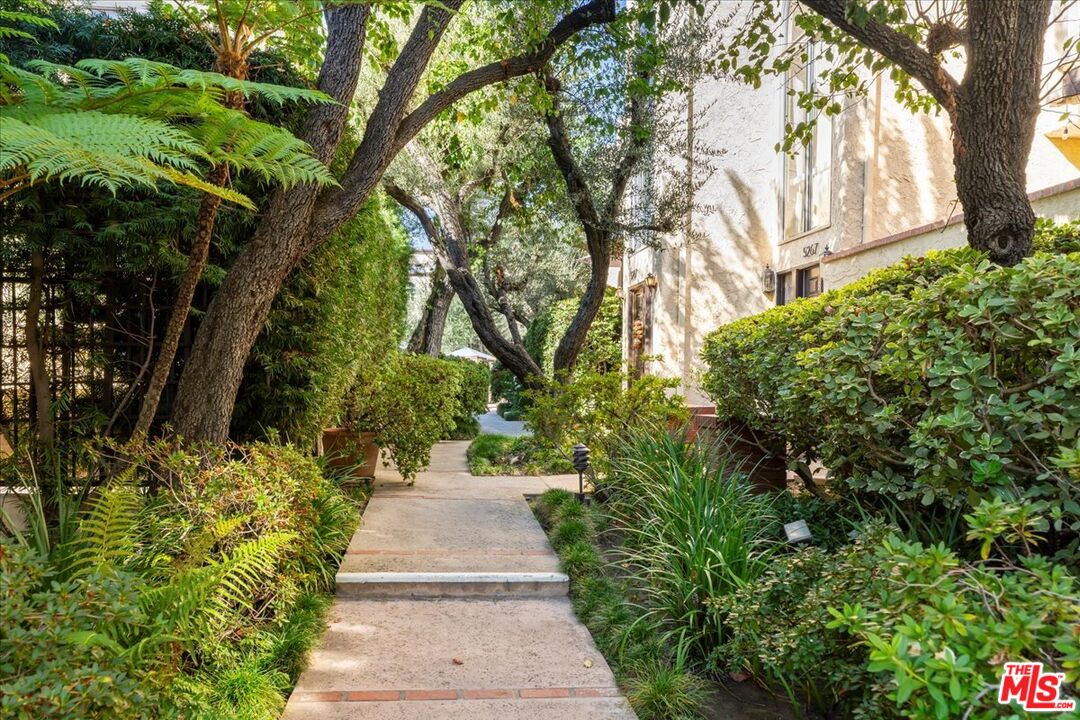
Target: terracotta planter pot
355,451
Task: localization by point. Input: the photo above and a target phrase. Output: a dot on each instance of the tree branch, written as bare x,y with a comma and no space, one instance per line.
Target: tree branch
595,12
895,46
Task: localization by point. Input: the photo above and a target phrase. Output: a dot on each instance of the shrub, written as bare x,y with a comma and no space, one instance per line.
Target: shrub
969,389
778,625
934,382
54,663
599,408
939,629
694,532
409,405
473,400
199,601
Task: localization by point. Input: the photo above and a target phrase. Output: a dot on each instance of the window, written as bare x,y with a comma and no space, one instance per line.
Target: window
798,284
808,281
807,168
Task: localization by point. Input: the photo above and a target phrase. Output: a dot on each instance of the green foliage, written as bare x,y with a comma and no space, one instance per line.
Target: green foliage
410,404
938,629
53,662
694,532
196,602
340,313
491,454
599,408
149,122
658,691
779,632
602,351
934,382
475,384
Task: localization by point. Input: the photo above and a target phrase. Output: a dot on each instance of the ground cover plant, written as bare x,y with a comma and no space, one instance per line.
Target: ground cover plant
655,679
199,601
494,454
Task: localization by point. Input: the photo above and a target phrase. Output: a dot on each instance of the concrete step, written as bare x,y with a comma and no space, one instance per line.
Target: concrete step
427,585
456,659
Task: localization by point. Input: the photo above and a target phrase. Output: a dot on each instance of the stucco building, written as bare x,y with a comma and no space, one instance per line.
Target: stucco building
874,184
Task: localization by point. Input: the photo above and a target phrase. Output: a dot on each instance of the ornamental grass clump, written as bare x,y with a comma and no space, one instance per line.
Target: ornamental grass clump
694,531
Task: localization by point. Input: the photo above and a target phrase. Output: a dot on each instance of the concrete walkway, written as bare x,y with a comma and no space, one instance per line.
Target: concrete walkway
490,422
450,604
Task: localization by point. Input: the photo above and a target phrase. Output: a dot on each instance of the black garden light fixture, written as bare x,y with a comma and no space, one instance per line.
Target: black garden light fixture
580,461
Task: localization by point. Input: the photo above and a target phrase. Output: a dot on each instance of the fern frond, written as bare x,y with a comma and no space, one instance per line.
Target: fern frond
241,573
107,531
199,544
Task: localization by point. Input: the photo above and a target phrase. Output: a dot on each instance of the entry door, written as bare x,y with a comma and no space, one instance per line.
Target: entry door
640,328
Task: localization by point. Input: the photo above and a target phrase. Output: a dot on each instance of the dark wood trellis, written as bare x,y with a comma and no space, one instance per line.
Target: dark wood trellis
95,345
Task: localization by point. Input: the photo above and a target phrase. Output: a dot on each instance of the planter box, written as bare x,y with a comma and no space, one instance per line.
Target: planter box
352,451
765,463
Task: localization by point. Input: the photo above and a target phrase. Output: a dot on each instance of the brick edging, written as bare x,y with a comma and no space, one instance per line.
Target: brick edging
534,693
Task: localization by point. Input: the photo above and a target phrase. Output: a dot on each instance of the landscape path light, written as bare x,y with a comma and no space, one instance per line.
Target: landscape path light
581,464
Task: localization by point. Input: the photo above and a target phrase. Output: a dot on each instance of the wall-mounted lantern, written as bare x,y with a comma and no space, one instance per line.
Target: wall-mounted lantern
651,282
768,280
827,252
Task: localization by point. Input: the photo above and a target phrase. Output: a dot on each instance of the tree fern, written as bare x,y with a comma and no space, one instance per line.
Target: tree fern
128,123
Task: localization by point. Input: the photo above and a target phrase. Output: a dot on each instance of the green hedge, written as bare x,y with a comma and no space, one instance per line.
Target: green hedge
341,311
603,345
473,400
938,380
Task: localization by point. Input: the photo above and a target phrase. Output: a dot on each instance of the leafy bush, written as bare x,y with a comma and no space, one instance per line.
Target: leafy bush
475,384
694,532
778,625
602,351
597,409
410,404
492,454
934,382
341,311
196,602
939,629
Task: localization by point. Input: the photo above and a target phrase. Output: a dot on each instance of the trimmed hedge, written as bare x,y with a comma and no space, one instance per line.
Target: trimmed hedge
473,400
942,379
602,351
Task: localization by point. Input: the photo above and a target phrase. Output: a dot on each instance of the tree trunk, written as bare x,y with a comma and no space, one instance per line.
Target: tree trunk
185,293
996,110
208,386
35,351
297,222
993,110
427,337
447,241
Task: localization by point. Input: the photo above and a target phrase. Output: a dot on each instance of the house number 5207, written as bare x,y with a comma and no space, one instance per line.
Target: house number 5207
809,250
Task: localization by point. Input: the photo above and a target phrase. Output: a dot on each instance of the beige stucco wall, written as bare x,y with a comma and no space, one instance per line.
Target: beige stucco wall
891,172
711,276
843,270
